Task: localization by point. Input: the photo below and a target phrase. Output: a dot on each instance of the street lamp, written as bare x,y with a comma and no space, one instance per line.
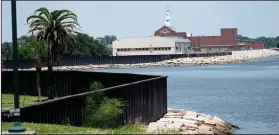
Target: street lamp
16,128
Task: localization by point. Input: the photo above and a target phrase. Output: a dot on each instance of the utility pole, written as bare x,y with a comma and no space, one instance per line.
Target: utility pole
16,128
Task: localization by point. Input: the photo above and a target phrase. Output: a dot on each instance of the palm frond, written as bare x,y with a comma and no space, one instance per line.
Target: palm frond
43,11
37,17
35,29
67,16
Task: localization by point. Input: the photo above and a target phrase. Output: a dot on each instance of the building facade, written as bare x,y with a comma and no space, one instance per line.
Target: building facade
226,41
257,45
153,45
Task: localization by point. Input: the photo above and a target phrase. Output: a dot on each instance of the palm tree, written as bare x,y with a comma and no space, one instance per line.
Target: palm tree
57,28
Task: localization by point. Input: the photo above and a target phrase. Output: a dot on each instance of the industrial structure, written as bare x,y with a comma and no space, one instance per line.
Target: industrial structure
166,40
227,41
153,45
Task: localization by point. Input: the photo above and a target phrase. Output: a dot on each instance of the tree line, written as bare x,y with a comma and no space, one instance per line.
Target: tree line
84,45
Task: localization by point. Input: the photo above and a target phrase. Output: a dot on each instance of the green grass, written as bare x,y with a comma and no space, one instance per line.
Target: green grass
62,129
8,100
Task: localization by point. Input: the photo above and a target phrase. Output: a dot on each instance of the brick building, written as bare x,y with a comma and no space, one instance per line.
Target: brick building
226,41
257,45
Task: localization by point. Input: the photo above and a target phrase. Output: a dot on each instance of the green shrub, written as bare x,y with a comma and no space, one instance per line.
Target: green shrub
96,98
100,110
106,113
96,86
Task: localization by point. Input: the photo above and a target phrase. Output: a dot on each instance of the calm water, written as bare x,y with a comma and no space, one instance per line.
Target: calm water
246,94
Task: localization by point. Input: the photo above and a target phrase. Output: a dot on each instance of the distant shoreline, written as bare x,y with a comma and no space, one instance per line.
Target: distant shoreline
236,57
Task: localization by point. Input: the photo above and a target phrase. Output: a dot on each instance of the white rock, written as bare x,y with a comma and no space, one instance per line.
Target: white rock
153,126
191,123
174,126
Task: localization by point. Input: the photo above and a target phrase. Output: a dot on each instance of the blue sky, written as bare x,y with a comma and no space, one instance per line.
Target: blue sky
142,18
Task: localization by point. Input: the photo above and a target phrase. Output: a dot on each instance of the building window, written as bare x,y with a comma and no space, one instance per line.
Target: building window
178,47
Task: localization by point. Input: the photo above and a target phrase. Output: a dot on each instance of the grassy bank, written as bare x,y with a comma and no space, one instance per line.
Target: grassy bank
8,100
61,129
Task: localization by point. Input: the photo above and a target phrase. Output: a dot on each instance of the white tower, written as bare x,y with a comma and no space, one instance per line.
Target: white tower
168,18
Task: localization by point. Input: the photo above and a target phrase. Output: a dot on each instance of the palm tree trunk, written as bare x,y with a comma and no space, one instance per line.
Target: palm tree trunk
38,74
50,76
50,79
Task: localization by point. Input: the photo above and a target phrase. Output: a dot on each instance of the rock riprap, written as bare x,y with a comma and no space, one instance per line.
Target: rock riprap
189,122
